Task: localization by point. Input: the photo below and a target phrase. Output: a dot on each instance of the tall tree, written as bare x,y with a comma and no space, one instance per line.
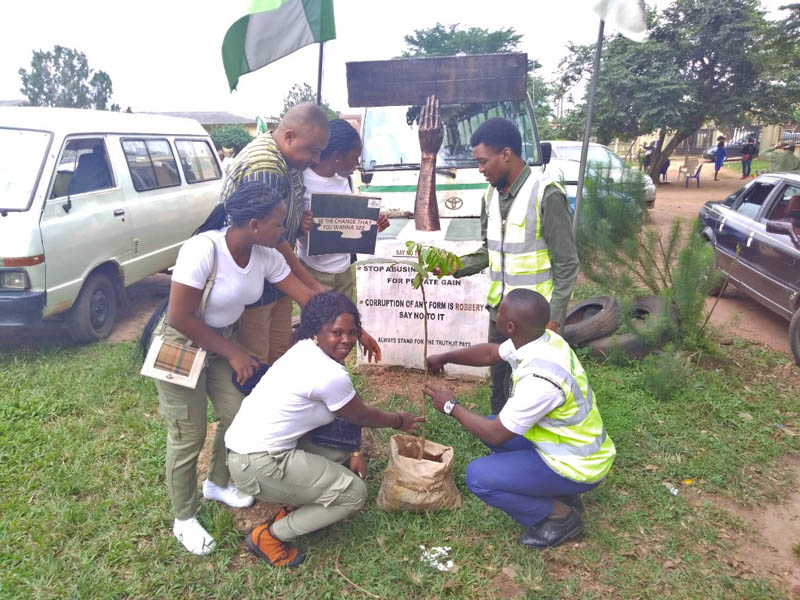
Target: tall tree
300,93
452,41
700,65
62,77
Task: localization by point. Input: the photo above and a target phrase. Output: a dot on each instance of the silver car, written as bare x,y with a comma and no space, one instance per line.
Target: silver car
565,162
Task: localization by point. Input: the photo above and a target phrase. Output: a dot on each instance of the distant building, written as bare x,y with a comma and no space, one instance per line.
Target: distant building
213,120
12,102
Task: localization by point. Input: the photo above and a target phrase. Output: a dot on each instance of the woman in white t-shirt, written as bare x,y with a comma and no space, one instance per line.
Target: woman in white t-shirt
331,176
245,257
271,454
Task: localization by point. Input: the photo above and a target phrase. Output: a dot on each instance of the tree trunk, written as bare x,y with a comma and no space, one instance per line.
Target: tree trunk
661,155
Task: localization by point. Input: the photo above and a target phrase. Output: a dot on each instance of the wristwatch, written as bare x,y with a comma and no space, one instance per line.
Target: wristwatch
449,406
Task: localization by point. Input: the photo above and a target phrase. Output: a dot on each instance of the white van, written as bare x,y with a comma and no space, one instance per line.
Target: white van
91,202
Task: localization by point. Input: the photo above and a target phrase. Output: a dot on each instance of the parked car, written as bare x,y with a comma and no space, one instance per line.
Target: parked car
734,147
565,161
762,221
91,202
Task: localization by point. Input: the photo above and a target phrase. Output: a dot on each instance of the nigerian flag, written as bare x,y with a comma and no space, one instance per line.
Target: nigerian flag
271,30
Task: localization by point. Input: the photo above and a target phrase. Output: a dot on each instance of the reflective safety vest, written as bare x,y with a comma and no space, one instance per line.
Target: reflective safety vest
571,438
518,255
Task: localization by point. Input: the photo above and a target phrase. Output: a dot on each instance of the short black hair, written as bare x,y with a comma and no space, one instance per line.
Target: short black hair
323,309
497,133
528,309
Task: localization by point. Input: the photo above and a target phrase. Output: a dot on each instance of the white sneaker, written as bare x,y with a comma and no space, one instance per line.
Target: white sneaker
193,536
228,495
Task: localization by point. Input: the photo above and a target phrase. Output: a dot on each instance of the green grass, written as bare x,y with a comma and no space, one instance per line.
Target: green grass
756,166
84,511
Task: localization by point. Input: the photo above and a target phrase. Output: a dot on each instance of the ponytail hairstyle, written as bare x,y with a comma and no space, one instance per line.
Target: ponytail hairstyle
252,199
344,138
322,310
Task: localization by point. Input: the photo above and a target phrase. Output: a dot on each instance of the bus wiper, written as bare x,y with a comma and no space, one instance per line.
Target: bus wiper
448,171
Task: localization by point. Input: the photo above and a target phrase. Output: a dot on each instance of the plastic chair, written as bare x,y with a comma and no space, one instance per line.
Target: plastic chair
695,176
688,167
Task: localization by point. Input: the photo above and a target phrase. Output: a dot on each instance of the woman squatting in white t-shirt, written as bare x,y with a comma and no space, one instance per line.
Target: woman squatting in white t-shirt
331,176
271,454
245,257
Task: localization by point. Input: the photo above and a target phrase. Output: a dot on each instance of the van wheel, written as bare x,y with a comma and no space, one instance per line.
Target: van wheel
794,335
92,316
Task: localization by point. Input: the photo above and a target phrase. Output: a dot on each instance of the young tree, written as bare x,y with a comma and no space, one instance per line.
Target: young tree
62,77
300,93
700,65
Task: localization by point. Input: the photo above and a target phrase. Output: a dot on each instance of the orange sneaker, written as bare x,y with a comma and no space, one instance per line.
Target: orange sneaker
272,550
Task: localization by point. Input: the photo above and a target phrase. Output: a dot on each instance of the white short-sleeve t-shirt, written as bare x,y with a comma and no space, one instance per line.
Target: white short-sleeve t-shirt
300,392
316,184
234,287
533,397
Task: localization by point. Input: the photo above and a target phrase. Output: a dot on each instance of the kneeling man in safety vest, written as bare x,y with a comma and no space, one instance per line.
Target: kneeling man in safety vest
548,444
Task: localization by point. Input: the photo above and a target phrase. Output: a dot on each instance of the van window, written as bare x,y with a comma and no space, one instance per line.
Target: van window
82,167
151,163
197,161
22,155
391,139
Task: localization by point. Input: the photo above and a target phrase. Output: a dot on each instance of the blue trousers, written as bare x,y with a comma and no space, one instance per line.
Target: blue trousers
515,479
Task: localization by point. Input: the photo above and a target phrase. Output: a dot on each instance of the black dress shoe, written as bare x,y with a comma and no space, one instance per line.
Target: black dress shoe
573,501
552,532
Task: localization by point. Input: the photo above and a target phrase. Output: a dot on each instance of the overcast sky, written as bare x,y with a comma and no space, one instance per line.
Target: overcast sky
164,55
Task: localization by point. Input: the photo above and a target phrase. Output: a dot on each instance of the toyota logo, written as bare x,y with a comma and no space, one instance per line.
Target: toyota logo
454,203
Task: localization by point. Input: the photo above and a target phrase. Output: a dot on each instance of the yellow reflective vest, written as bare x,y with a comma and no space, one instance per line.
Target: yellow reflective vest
571,438
518,255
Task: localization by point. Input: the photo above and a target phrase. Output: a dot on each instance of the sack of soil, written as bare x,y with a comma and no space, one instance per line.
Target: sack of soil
415,485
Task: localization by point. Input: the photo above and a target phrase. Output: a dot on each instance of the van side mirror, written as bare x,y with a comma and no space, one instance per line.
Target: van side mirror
783,228
366,177
547,152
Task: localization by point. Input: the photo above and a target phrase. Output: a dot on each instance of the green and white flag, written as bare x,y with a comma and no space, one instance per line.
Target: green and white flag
271,30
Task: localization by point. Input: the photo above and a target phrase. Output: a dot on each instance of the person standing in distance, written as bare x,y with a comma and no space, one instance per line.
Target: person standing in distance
526,229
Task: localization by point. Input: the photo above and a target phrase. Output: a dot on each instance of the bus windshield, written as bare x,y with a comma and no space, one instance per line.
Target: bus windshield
391,140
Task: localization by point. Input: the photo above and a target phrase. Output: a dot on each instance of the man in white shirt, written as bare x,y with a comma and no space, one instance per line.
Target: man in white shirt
548,443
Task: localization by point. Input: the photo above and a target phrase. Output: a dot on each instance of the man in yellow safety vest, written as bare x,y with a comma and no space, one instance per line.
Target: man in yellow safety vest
548,444
527,235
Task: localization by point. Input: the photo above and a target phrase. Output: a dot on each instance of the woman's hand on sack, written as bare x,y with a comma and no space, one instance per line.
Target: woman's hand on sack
409,423
439,395
369,347
306,221
243,365
358,465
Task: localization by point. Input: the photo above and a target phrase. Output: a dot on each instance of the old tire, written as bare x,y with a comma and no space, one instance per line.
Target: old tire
92,316
794,335
591,319
647,311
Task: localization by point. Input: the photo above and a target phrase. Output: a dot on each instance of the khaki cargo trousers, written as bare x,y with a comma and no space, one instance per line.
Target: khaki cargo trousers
185,412
309,477
344,282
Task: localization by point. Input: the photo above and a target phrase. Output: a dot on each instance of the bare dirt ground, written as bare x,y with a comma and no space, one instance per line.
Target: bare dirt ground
735,314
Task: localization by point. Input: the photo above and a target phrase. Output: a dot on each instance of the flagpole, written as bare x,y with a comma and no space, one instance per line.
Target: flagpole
588,129
319,76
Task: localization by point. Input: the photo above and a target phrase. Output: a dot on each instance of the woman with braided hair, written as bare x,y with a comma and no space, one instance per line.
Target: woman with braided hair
331,175
239,236
271,454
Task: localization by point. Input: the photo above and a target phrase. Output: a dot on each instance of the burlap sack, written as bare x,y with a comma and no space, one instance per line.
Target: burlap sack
415,485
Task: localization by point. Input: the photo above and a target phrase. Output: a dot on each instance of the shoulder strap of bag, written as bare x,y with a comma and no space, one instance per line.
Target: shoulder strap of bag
210,281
